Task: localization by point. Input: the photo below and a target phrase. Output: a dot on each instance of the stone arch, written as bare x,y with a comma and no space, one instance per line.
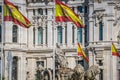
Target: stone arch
50,74
47,75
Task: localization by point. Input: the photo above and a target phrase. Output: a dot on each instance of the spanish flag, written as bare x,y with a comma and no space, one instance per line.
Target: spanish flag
115,51
79,50
65,14
81,53
11,13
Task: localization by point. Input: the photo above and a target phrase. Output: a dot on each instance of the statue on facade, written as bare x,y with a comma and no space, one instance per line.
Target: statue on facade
60,57
78,73
39,72
28,76
91,73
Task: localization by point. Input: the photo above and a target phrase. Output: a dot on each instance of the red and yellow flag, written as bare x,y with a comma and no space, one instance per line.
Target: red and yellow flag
81,53
114,51
79,50
65,13
11,13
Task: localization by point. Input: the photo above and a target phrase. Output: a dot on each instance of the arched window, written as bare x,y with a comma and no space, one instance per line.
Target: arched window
100,31
15,68
79,34
59,34
15,33
40,35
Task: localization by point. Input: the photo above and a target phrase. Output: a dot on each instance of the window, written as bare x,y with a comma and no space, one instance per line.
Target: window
65,34
86,33
81,62
46,35
40,11
0,9
34,35
15,33
40,35
33,11
0,33
86,9
38,72
46,12
59,34
73,34
79,34
80,9
40,63
15,68
100,31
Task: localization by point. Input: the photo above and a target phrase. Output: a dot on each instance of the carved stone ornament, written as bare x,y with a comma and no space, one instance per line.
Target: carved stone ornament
60,57
91,73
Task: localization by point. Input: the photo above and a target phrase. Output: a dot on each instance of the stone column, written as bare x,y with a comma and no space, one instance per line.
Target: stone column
44,35
31,68
23,67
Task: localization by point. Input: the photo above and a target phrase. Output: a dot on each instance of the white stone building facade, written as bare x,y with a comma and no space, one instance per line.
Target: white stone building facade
103,30
34,47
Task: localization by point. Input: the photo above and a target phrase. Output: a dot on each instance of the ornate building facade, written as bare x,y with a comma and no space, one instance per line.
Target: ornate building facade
103,30
32,49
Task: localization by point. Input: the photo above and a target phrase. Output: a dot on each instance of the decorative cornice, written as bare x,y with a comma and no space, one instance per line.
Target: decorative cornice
49,50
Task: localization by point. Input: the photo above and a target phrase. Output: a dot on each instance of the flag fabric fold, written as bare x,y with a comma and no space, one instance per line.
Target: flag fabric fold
11,13
115,51
64,14
80,52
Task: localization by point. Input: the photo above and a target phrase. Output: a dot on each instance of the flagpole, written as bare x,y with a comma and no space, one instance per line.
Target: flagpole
54,42
111,58
111,64
2,41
